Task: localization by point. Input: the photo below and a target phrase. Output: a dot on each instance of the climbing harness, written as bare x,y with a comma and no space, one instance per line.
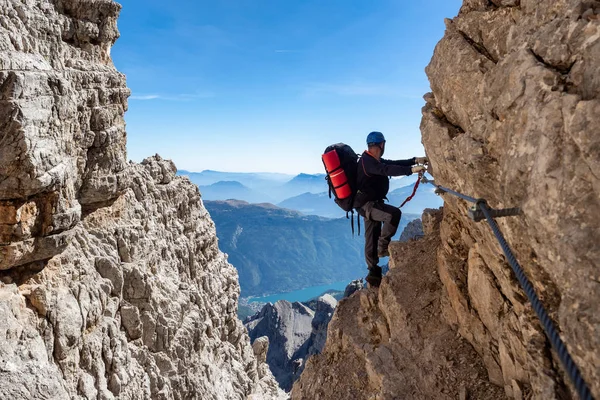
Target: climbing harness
409,198
482,211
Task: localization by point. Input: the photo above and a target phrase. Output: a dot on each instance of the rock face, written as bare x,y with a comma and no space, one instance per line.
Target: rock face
288,328
394,343
413,230
513,118
325,308
114,286
294,333
352,287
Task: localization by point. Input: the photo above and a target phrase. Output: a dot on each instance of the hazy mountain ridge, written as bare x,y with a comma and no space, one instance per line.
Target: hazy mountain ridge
424,198
250,179
266,186
321,204
306,183
314,204
305,193
225,190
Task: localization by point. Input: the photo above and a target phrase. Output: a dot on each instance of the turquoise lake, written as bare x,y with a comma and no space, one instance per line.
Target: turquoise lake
302,294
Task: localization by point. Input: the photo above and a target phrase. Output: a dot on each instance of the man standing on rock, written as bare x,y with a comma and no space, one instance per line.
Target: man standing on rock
373,185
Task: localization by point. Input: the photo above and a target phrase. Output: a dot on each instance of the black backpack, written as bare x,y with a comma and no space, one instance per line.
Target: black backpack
341,177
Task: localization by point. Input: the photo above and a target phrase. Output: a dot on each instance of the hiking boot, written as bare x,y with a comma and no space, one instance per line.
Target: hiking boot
374,277
373,280
383,253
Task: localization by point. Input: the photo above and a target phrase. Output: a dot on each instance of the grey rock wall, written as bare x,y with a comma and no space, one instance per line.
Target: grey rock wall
413,230
514,118
353,287
113,285
287,327
293,332
323,313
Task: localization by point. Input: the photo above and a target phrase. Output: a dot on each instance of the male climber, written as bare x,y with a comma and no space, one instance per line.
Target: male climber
372,187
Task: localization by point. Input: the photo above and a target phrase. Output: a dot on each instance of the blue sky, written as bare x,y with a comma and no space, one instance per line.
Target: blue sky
266,85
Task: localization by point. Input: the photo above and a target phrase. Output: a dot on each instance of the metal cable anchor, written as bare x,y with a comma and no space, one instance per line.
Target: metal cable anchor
477,215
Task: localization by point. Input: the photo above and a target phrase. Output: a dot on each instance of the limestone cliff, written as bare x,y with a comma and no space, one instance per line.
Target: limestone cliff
414,230
113,283
294,333
394,343
287,326
513,118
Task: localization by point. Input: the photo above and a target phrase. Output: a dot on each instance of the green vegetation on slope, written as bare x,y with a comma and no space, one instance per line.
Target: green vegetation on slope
277,250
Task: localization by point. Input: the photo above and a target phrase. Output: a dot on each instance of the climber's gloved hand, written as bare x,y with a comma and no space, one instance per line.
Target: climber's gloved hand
418,168
421,160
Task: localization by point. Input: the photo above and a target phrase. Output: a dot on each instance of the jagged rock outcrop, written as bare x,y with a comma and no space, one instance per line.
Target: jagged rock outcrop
513,118
352,287
113,282
324,310
294,333
288,328
414,230
394,343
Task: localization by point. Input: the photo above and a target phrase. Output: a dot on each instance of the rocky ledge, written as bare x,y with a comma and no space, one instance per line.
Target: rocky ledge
395,342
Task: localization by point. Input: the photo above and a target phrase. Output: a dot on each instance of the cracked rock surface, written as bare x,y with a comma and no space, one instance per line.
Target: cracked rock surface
513,118
294,332
287,326
113,285
394,342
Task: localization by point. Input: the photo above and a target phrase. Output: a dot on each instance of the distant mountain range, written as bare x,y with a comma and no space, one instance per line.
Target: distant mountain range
225,190
314,204
302,241
253,180
305,183
257,187
424,198
320,203
305,193
277,250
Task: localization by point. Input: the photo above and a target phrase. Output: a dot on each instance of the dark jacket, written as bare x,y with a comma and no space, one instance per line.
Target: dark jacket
372,177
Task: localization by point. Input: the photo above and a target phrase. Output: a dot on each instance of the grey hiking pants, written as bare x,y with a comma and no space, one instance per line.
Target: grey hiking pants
376,237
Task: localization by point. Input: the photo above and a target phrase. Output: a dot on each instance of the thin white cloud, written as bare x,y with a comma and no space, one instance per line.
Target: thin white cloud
285,51
177,97
145,97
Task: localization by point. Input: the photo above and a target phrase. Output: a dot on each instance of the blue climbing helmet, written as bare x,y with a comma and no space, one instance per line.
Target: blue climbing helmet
375,138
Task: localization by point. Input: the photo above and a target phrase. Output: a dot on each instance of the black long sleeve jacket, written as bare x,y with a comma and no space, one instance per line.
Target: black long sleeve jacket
372,177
